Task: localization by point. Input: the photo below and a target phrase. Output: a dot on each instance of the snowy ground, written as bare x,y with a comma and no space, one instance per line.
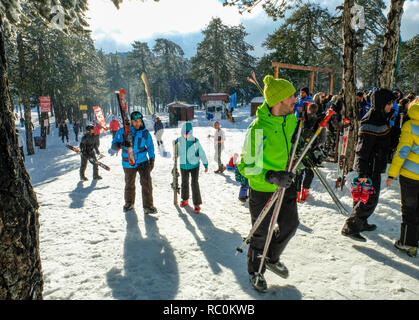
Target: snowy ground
91,249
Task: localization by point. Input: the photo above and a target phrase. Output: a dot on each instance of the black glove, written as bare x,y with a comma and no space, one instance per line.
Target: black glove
125,144
282,179
151,163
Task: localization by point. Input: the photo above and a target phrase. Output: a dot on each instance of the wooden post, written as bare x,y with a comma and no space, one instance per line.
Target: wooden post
331,83
276,72
312,82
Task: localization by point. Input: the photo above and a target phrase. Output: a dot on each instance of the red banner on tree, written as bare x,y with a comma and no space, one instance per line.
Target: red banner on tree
45,104
100,118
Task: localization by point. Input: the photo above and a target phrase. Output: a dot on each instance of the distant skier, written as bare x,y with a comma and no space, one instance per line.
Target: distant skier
76,129
88,147
371,154
114,126
158,132
219,138
143,148
190,153
63,131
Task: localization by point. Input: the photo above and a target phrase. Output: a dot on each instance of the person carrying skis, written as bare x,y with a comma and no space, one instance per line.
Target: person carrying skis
190,152
114,126
406,163
143,148
76,128
63,131
371,154
264,162
158,131
88,147
219,138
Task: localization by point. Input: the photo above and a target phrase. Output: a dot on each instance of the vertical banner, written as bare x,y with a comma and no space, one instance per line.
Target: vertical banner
100,118
147,91
45,104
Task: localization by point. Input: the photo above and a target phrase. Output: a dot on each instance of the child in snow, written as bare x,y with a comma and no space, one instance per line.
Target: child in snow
406,163
190,152
232,164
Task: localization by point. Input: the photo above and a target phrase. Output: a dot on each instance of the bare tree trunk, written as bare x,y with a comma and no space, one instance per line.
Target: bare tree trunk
391,44
349,67
24,95
20,262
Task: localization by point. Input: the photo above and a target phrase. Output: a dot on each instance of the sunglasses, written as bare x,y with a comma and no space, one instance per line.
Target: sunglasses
136,116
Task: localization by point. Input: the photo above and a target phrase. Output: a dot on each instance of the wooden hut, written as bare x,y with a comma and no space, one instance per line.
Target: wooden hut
255,103
180,111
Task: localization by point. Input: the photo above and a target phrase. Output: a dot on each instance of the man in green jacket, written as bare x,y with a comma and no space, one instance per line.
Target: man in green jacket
264,159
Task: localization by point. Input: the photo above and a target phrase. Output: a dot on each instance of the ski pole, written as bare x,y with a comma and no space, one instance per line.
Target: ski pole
277,208
274,196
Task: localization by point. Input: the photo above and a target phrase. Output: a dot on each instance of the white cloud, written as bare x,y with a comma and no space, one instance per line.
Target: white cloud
136,20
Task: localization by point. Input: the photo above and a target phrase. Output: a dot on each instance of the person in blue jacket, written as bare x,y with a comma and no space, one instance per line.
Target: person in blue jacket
362,106
190,152
143,148
304,96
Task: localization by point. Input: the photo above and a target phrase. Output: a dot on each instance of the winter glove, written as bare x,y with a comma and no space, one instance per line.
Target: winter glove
125,144
151,163
112,151
282,179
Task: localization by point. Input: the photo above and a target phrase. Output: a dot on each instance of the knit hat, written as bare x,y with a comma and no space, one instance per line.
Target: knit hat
186,128
277,90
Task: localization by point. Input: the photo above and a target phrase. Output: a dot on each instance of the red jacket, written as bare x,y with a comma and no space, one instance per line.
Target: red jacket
98,127
114,125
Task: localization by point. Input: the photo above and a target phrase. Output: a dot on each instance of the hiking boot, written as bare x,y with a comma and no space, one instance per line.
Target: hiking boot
258,282
353,235
184,203
368,227
243,199
304,194
217,171
97,178
410,250
128,207
197,208
83,178
150,210
278,268
222,169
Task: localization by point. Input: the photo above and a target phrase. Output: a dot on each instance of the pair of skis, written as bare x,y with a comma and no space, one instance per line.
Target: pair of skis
278,196
175,174
91,160
343,144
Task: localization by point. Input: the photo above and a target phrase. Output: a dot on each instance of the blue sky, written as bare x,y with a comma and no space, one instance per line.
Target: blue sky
181,21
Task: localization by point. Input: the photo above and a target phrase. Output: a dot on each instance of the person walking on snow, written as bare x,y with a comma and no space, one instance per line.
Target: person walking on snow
158,132
114,126
406,163
264,159
76,128
219,138
190,152
98,128
63,131
143,148
371,154
88,147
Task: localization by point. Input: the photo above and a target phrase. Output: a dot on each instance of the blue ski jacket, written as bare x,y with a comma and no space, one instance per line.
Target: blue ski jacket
143,146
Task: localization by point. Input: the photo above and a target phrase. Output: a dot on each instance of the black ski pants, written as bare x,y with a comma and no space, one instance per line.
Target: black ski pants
196,193
362,211
287,222
409,229
83,166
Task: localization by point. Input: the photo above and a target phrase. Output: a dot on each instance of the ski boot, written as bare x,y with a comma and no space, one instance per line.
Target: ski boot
278,268
184,203
410,250
304,194
197,208
150,210
366,190
128,207
258,282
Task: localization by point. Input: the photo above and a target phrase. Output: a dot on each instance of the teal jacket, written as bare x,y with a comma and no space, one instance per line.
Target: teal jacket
267,147
190,151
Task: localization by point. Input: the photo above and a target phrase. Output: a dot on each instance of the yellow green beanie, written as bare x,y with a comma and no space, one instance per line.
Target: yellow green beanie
277,90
